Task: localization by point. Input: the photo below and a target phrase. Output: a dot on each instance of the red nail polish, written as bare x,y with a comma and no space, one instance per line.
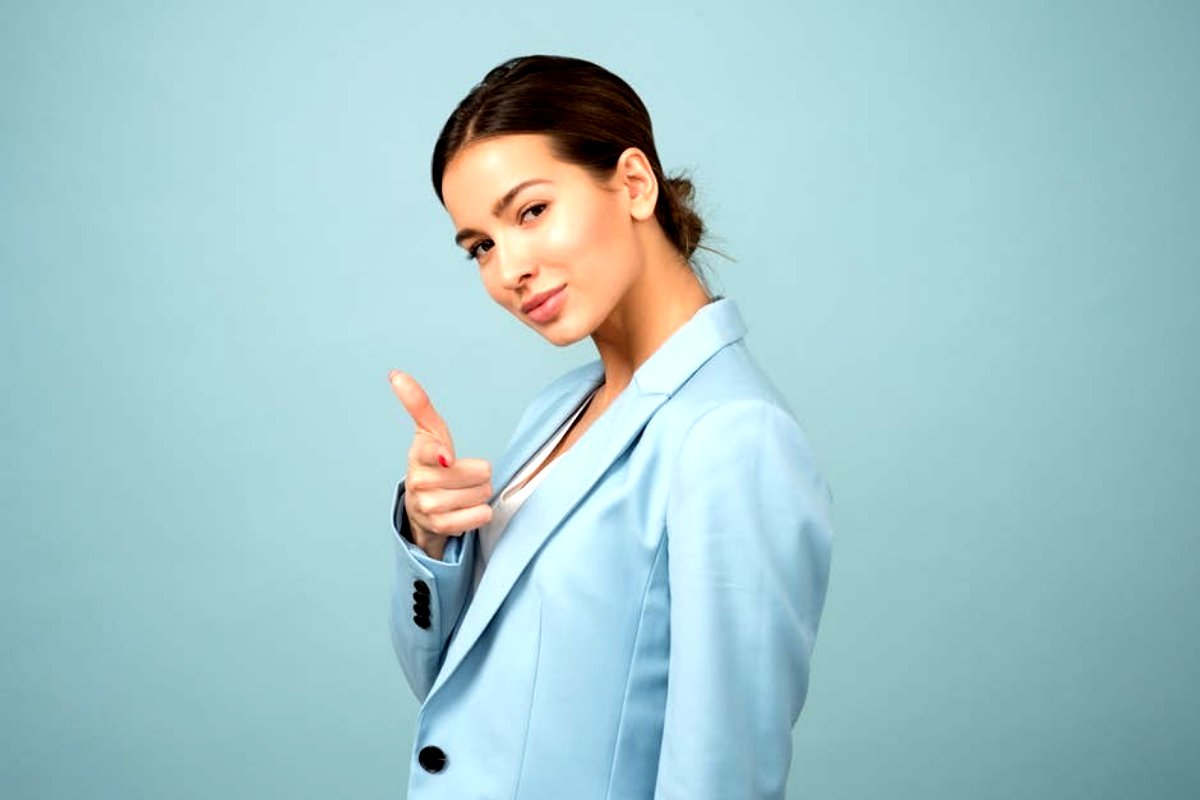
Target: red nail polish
442,460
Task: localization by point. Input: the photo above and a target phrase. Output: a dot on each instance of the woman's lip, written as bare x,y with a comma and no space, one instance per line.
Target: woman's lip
548,309
544,297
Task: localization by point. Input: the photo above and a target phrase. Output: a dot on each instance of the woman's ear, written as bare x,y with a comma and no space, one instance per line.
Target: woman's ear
636,178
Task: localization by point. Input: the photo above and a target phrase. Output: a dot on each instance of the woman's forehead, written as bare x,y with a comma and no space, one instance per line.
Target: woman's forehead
483,172
501,156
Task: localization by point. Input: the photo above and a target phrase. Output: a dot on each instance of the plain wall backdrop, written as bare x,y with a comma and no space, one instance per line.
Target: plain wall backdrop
967,248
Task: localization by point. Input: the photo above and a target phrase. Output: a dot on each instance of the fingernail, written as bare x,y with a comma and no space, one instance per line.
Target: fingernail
442,460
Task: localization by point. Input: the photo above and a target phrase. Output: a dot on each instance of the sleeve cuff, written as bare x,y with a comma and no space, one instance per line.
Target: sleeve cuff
452,555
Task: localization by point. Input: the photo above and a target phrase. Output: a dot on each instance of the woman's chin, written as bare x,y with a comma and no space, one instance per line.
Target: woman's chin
561,337
560,332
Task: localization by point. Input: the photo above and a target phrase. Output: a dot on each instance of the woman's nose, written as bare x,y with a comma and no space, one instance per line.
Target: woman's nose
516,265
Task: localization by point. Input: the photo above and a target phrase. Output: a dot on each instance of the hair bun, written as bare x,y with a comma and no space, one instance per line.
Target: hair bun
689,227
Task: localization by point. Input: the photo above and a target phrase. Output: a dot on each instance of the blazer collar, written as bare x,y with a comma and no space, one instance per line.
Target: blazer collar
710,329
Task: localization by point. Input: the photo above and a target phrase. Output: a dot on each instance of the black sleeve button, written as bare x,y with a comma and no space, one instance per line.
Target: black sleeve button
422,615
432,759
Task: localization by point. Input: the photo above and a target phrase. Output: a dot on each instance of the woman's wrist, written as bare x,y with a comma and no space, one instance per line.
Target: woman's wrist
433,544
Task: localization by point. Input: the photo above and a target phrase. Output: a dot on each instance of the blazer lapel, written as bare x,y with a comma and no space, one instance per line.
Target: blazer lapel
575,472
539,431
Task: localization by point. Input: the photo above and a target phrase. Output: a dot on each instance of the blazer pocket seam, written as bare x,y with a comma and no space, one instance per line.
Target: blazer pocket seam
537,662
662,548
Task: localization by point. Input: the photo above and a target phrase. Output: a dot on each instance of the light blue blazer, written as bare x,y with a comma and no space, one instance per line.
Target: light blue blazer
644,625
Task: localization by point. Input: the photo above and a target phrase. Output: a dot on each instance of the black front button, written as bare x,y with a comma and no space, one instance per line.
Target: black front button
423,621
421,587
432,759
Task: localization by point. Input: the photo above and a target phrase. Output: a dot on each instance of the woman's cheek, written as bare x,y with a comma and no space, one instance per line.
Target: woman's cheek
574,235
559,239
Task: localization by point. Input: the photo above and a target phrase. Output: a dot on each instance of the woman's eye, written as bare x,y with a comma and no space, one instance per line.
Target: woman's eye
483,245
539,207
474,250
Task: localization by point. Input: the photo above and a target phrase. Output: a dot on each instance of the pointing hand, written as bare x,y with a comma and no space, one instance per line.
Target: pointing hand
444,496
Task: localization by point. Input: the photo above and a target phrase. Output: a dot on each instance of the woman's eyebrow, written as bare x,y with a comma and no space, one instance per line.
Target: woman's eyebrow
499,206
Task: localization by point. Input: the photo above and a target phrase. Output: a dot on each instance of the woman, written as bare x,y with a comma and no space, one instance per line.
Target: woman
643,626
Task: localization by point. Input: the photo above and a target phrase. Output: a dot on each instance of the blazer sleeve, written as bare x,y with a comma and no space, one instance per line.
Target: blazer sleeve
748,553
428,597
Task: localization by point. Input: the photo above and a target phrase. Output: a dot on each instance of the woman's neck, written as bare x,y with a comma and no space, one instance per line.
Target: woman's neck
655,306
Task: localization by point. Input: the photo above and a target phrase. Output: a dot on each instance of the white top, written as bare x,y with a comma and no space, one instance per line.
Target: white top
509,501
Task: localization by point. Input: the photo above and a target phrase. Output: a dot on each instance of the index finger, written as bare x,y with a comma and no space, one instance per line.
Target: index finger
417,403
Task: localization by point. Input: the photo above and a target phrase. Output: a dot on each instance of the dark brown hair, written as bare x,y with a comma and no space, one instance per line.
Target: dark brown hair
590,116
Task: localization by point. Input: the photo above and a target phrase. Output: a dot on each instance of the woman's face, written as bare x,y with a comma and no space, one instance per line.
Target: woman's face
560,230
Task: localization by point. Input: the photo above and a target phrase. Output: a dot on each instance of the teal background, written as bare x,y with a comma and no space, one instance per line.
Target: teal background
966,242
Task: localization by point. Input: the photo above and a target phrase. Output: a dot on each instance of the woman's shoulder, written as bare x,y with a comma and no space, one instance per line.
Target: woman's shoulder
732,377
729,395
731,407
